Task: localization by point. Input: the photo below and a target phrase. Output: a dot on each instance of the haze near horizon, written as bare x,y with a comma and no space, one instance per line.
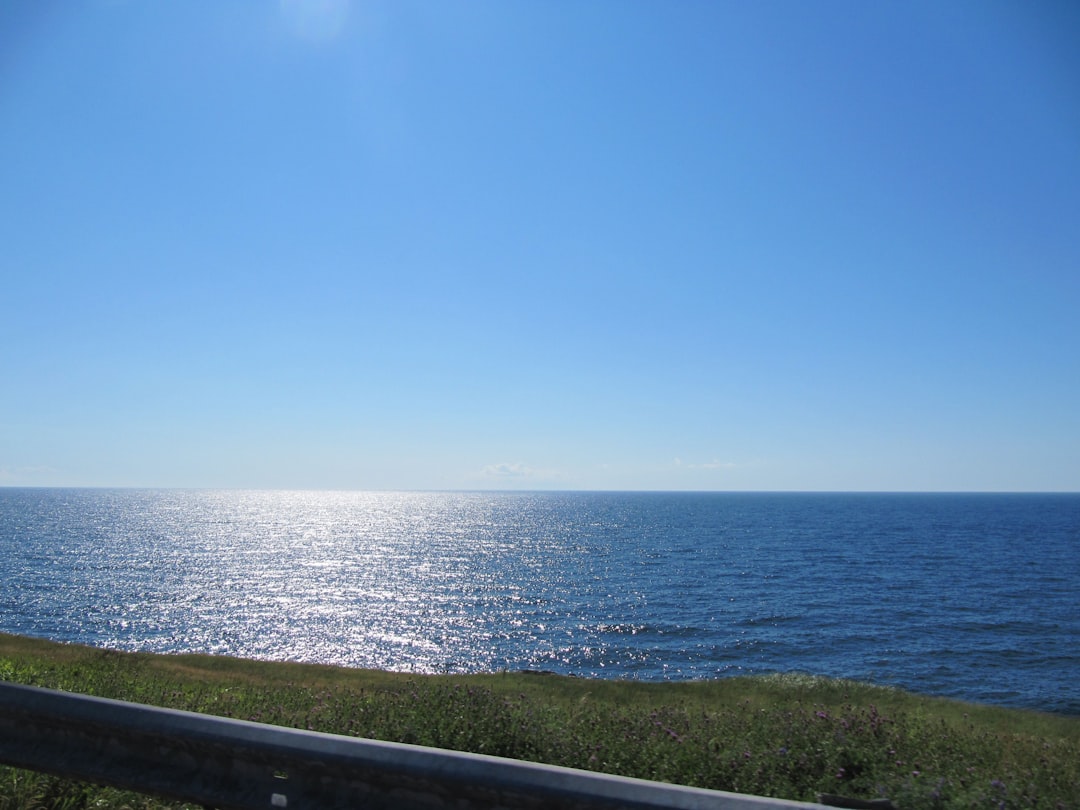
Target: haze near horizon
523,245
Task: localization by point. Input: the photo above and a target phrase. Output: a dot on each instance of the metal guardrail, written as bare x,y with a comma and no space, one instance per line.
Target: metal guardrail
223,763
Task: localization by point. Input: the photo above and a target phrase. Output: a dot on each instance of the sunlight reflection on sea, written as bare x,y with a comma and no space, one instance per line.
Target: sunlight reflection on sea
969,596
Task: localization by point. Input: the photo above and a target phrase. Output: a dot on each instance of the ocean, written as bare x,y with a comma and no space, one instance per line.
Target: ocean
970,596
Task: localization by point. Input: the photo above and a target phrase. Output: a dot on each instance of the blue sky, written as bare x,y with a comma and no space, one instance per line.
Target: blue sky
540,245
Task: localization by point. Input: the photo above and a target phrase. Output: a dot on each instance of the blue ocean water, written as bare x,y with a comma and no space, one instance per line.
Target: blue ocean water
967,596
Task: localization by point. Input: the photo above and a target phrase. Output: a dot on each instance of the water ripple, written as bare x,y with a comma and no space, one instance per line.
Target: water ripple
969,596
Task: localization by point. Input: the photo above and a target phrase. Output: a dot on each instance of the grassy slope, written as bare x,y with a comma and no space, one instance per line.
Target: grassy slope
786,736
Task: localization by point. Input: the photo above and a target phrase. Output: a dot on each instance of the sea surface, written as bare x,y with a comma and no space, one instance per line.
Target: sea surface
969,596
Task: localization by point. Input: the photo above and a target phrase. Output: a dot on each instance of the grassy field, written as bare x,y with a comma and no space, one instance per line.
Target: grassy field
790,736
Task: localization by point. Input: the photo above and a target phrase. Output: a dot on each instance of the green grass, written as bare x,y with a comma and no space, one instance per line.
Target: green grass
787,736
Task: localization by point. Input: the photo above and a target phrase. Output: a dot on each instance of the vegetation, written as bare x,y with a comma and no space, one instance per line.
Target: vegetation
789,736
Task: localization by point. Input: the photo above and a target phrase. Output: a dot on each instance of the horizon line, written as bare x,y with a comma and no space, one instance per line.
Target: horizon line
553,491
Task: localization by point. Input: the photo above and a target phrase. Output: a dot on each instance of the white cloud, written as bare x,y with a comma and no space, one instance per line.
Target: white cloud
516,475
715,464
505,470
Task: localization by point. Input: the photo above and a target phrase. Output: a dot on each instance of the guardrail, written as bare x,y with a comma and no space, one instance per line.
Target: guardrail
223,763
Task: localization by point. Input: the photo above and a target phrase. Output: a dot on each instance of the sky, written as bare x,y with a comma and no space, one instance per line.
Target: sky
596,245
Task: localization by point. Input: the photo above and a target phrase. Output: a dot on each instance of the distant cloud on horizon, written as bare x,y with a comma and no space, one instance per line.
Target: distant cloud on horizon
715,464
505,470
518,474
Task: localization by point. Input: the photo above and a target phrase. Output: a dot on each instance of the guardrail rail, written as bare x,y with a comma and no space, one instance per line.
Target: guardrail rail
223,763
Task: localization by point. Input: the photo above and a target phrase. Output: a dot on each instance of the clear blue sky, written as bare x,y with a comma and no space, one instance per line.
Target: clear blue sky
543,245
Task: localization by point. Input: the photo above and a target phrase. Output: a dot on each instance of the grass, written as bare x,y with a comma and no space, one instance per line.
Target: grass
786,736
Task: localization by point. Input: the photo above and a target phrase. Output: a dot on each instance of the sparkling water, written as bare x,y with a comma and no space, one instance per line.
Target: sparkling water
968,596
